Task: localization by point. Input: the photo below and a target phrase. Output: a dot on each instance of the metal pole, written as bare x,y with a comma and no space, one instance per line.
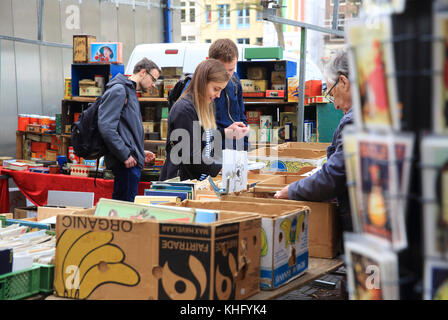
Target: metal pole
335,14
301,102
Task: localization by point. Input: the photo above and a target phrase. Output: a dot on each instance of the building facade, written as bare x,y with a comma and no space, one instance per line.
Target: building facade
190,18
240,21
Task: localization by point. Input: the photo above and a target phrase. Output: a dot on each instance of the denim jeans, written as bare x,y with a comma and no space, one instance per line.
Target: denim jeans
126,183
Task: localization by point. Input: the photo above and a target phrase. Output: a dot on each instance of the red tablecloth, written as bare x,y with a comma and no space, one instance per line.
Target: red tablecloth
35,186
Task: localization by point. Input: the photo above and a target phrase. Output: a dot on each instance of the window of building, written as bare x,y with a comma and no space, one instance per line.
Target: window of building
184,38
243,16
259,13
259,41
223,16
208,40
182,4
192,15
191,38
208,14
243,40
192,4
182,15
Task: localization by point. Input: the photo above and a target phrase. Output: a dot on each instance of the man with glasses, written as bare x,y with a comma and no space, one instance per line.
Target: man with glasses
330,182
120,125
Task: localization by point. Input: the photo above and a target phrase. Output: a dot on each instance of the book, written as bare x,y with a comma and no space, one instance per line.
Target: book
166,193
156,199
5,261
374,90
378,191
372,269
351,168
175,186
436,280
434,155
234,170
125,209
440,80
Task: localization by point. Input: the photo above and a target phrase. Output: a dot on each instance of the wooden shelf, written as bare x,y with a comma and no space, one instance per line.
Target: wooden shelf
155,141
141,99
266,101
150,99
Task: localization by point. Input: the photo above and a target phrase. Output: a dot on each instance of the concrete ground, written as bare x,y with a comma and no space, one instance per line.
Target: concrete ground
331,286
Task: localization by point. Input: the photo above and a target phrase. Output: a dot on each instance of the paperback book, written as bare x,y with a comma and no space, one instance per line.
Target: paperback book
372,269
125,209
373,87
378,190
434,151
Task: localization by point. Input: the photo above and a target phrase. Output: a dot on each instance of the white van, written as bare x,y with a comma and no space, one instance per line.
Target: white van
189,55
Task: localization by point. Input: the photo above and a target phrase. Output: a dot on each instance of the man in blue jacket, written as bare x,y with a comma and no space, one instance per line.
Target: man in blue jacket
120,125
229,106
330,182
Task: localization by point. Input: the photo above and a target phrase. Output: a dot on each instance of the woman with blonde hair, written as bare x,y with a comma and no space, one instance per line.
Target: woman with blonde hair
191,120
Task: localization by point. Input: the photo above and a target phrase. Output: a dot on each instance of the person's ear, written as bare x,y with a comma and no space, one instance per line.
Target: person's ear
345,83
142,73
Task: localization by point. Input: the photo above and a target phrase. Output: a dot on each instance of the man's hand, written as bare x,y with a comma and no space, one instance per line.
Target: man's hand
149,156
236,130
282,194
130,162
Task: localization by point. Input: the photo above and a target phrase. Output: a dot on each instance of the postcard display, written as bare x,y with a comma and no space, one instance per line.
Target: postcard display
434,172
377,158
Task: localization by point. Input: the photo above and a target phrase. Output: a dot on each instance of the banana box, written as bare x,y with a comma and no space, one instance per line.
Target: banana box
142,259
284,237
286,159
323,232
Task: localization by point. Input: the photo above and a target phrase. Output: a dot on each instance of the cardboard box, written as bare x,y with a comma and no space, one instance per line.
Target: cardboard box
256,73
144,259
313,88
106,52
278,77
168,84
293,89
253,117
247,85
172,71
45,212
284,237
318,146
287,160
260,85
51,155
323,233
81,48
25,212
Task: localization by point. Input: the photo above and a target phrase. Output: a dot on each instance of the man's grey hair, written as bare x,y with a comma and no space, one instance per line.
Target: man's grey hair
338,65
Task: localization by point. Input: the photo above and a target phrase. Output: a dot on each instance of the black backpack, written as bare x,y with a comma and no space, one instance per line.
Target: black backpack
176,92
85,137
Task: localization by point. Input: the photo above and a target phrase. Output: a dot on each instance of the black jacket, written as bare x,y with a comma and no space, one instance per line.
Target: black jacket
121,125
190,152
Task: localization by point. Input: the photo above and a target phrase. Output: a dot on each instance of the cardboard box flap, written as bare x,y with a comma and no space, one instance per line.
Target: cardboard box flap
265,210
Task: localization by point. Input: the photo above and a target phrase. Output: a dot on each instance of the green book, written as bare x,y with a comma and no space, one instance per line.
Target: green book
130,210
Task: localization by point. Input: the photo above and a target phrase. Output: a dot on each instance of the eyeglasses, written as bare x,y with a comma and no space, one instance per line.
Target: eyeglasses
152,77
328,95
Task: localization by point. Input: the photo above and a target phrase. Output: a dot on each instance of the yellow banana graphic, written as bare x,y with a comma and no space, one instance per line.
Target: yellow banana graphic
80,248
108,253
264,243
110,273
199,272
89,261
232,265
66,239
299,226
169,280
286,227
220,279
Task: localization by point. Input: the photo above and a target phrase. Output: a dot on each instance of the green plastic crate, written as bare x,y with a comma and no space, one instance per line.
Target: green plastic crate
263,53
46,278
20,284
